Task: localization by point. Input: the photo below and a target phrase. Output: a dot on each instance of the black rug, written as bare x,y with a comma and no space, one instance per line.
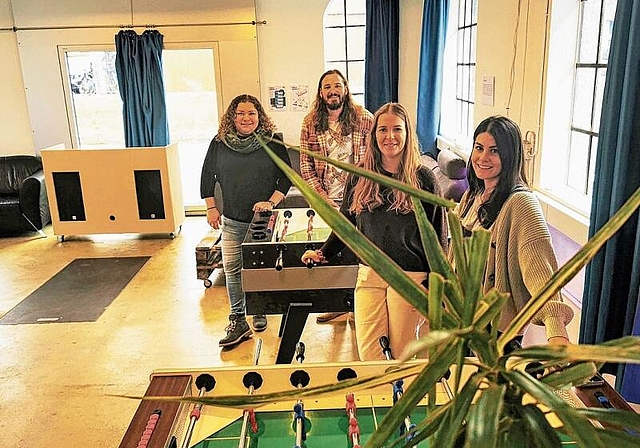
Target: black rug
80,292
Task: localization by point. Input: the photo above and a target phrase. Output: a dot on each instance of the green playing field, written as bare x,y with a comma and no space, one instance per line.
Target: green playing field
325,428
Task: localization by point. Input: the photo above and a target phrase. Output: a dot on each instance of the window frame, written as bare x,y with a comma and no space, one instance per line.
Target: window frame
346,62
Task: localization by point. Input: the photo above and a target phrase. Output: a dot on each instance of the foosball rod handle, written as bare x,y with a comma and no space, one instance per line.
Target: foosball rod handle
300,349
386,347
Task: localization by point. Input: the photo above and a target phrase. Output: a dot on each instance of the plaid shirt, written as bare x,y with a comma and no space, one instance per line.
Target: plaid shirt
314,171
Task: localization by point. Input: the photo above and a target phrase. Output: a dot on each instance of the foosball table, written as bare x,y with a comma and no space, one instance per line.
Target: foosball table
275,281
329,420
338,419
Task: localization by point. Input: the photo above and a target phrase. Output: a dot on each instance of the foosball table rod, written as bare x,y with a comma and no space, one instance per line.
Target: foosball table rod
252,381
205,383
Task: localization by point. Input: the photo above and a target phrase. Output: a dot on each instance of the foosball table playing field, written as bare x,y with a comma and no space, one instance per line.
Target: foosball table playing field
275,280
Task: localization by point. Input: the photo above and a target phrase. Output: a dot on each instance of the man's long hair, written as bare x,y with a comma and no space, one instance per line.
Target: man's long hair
227,123
348,117
366,193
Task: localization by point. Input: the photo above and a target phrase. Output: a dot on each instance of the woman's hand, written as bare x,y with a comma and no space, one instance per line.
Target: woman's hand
263,206
313,256
559,340
213,217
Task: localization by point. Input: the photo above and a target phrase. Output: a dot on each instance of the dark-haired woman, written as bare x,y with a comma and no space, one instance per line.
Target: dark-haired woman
250,182
521,258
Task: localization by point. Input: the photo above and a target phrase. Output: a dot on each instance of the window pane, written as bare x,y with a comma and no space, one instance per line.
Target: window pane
356,12
334,44
468,5
472,56
597,107
579,157
459,82
474,12
461,11
592,165
335,7
355,37
356,76
608,15
356,7
95,98
589,32
342,66
358,98
583,97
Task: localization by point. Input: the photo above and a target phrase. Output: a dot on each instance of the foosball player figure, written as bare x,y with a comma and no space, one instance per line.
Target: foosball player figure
354,429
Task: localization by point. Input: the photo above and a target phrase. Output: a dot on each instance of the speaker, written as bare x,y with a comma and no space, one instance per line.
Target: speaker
149,194
69,196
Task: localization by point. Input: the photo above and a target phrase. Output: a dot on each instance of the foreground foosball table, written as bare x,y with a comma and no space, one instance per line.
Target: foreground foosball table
326,420
171,424
275,280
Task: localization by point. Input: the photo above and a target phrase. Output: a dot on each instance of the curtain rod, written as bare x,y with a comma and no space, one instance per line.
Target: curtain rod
171,25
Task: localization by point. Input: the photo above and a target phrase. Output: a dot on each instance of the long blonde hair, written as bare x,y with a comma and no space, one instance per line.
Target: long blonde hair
366,193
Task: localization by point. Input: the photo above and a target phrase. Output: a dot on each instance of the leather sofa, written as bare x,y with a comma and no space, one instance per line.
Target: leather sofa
451,172
23,195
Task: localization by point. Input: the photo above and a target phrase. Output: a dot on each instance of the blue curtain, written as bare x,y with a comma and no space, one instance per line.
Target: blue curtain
434,30
139,71
381,48
612,281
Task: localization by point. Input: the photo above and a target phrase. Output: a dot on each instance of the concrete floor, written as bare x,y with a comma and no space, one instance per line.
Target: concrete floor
56,379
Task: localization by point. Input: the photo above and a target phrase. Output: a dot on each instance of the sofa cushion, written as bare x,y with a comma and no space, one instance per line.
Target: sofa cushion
14,170
452,165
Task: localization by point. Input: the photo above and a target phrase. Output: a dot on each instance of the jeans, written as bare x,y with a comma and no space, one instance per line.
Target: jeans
233,233
381,311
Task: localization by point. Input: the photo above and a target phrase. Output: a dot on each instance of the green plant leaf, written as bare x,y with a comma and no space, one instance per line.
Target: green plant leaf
431,243
484,417
614,439
569,270
431,374
479,247
580,430
625,350
393,373
448,432
573,375
538,427
624,419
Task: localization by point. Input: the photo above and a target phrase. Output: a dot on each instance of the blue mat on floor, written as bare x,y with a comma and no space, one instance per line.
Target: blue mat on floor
80,292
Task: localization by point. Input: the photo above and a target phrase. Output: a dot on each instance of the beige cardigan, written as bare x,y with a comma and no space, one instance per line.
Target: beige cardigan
521,260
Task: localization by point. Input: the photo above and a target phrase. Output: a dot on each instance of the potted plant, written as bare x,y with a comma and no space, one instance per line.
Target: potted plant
500,405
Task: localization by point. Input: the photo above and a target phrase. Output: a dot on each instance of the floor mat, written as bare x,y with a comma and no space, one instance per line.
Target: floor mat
80,292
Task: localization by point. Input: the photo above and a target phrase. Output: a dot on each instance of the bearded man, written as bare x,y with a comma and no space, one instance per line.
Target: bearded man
337,128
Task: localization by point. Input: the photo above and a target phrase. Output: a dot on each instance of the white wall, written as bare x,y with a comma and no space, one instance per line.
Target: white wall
291,52
14,115
40,59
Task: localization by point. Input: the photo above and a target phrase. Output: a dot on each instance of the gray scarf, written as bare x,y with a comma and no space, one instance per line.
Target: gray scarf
246,144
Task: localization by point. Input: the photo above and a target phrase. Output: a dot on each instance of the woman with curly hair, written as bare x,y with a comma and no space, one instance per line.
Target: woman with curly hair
386,216
250,182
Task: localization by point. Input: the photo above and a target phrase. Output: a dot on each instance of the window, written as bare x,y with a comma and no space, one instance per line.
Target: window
95,115
574,99
458,89
596,26
344,42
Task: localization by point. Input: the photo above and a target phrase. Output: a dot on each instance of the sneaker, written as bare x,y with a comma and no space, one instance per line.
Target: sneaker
237,330
259,322
326,317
